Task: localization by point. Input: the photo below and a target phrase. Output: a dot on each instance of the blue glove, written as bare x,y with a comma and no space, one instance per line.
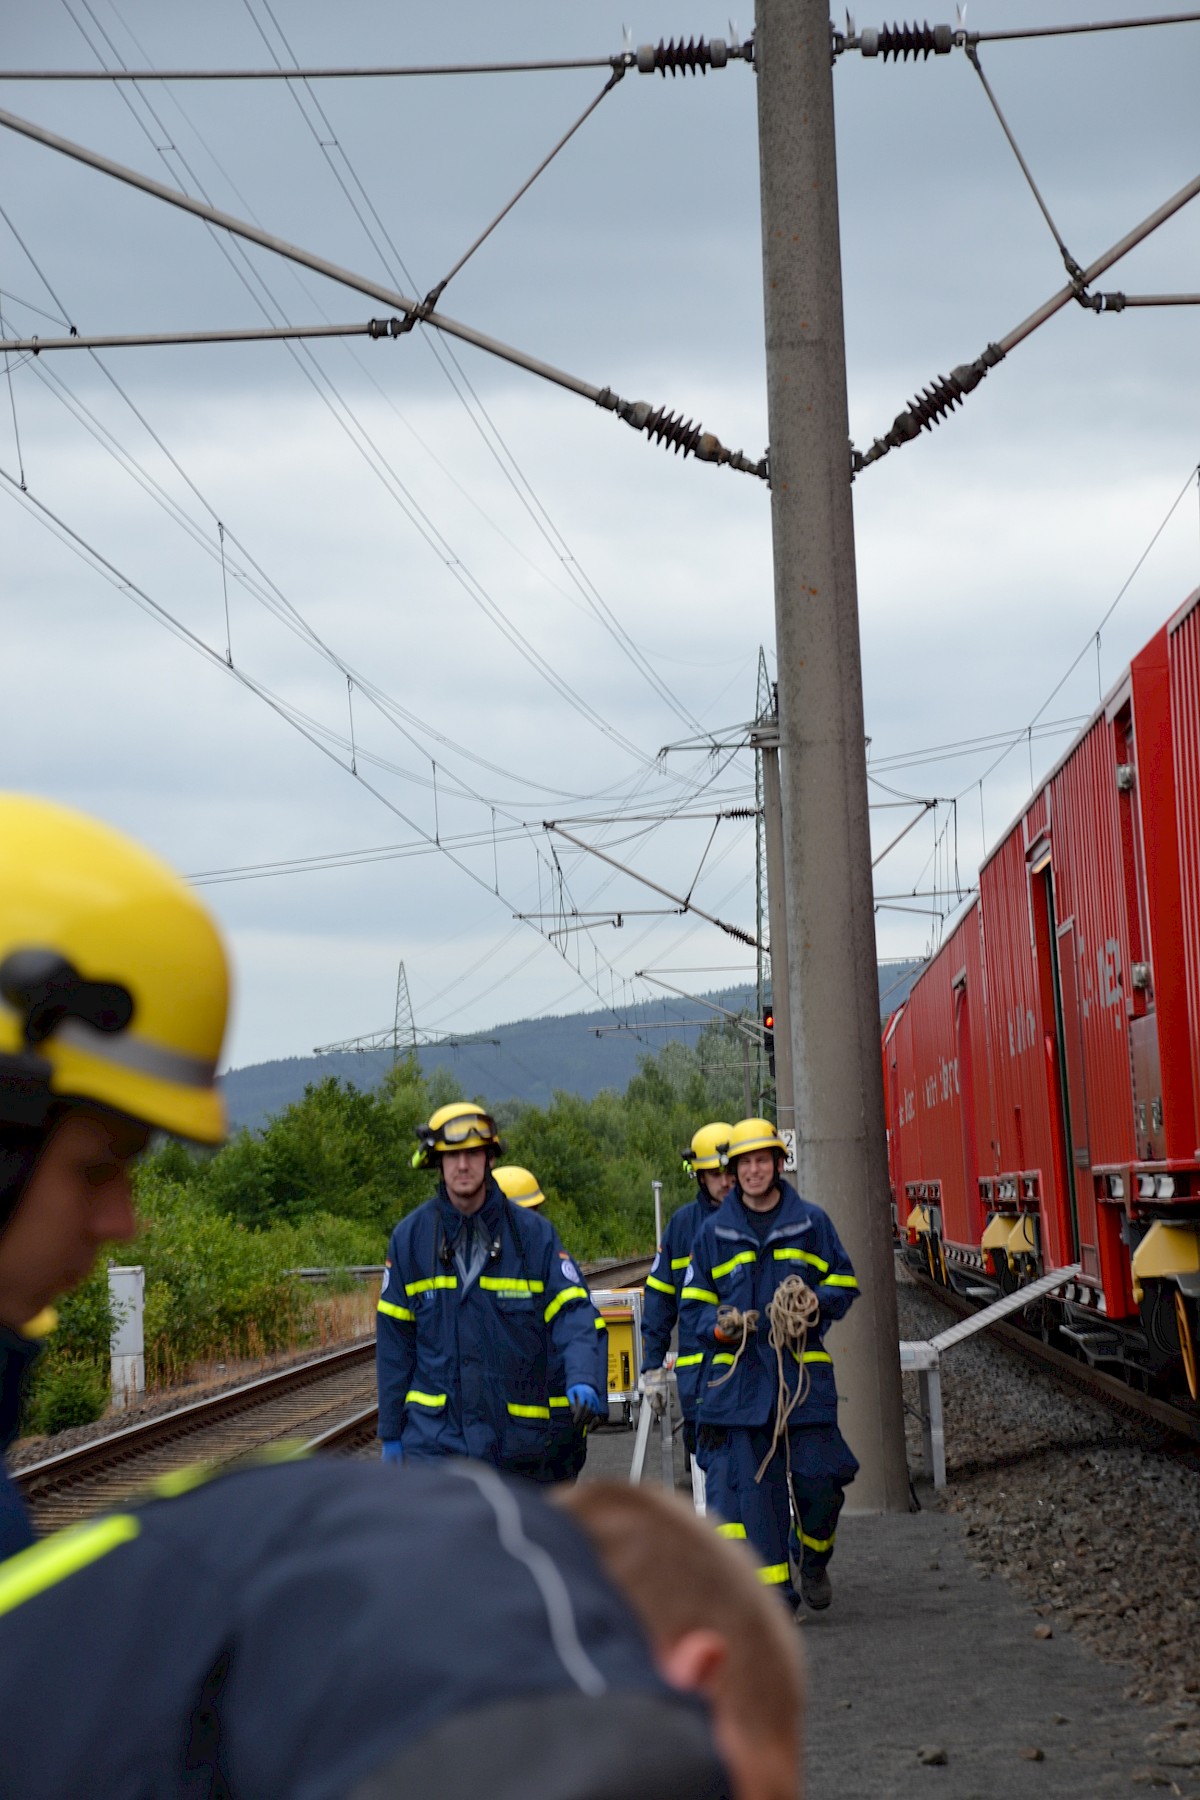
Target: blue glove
586,1404
393,1450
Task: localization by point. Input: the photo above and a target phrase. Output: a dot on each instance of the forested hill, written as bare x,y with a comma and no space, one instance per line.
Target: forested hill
532,1059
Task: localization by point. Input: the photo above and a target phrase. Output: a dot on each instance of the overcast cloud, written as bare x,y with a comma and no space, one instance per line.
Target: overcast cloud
356,487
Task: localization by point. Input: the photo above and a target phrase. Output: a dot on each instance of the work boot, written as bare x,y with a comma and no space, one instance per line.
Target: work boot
816,1588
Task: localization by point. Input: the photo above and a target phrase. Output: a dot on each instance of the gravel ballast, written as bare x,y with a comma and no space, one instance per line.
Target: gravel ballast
1090,1515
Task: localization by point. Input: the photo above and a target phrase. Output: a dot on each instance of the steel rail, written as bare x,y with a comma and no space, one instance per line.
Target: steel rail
85,1460
51,1474
1117,1394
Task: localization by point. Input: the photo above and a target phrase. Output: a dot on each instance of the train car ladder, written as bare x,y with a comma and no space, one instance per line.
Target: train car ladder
925,1360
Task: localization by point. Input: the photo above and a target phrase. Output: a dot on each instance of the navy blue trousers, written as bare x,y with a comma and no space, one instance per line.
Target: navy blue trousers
793,1511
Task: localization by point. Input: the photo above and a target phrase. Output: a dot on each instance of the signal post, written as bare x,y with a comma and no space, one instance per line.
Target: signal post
833,988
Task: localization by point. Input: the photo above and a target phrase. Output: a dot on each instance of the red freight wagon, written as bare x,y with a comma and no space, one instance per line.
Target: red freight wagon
1044,1075
936,1072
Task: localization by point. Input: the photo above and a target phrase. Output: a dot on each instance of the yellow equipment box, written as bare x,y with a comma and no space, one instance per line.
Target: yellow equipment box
621,1310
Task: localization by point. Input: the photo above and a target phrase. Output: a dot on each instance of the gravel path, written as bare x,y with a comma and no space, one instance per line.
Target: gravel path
1086,1513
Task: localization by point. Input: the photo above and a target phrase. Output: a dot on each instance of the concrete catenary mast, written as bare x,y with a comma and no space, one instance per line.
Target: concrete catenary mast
833,989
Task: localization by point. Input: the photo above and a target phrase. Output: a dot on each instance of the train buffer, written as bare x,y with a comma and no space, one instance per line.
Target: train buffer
925,1358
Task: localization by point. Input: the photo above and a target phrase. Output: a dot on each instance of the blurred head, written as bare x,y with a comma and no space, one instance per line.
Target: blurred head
78,1198
713,1628
113,997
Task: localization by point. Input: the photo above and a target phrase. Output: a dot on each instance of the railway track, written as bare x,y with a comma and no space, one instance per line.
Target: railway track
326,1403
1178,1420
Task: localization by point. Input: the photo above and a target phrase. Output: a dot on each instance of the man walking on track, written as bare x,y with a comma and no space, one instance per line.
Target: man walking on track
479,1298
768,1275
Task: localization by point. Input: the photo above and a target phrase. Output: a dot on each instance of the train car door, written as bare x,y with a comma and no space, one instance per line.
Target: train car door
966,1100
1070,1048
1063,1222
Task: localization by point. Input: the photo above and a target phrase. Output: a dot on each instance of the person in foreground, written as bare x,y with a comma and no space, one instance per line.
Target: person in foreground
329,1631
113,995
481,1309
768,1275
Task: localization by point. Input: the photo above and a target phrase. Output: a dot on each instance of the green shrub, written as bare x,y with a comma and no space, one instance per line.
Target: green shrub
65,1391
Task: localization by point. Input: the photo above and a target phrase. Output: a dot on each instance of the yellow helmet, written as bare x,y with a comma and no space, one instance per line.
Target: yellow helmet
708,1147
753,1134
113,980
460,1126
518,1185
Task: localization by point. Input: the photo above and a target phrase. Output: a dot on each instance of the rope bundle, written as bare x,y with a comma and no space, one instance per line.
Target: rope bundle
793,1312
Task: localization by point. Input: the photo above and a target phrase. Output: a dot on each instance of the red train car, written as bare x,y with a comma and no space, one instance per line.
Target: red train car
1043,1078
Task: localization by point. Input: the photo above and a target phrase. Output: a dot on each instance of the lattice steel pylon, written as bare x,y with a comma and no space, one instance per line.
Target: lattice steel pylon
403,1036
405,1029
764,711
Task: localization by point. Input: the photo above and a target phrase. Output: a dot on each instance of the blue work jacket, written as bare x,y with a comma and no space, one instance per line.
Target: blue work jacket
732,1266
465,1370
660,1307
17,1354
321,1629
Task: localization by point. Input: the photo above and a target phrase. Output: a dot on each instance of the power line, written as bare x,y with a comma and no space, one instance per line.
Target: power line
1093,636
661,427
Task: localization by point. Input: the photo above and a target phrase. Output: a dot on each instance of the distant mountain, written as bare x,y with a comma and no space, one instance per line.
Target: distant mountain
579,1053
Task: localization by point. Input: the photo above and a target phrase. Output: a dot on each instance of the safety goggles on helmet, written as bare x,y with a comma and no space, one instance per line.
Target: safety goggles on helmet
460,1126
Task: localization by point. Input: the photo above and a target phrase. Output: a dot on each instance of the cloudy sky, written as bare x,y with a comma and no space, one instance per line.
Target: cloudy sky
497,603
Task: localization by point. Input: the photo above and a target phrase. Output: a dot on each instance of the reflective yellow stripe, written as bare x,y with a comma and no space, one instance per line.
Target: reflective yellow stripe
563,1299
529,1412
818,1262
395,1312
414,1398
743,1256
724,1356
686,1362
601,1324
774,1574
664,1287
731,1531
698,1294
511,1284
680,1262
556,1400
818,1544
32,1571
431,1281
817,1356
838,1281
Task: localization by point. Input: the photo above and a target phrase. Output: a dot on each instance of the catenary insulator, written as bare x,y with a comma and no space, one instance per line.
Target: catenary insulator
685,57
679,434
907,40
948,391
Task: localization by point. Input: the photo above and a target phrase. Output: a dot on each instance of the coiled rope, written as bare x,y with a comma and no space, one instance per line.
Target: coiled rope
793,1312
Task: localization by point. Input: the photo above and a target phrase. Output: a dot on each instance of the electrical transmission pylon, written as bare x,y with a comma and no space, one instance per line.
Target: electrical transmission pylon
403,1036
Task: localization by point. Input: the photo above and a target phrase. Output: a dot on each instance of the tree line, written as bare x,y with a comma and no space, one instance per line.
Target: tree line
222,1233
